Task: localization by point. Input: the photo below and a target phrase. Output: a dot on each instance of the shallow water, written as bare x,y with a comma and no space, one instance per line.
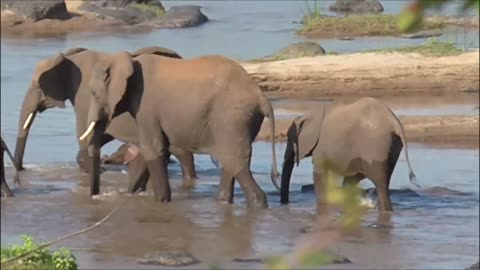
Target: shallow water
266,25
435,227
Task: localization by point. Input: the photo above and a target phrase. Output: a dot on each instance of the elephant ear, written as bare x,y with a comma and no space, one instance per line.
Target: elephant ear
114,75
49,77
308,132
157,51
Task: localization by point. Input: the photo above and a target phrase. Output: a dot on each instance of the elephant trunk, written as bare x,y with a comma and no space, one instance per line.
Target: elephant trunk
28,112
93,135
287,168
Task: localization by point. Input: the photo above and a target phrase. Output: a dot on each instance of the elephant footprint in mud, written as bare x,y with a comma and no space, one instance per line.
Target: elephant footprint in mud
206,105
358,140
65,77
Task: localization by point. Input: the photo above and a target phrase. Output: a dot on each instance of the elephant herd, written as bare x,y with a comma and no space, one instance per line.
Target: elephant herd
160,104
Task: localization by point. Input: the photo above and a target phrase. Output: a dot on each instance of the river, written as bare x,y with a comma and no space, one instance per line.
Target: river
438,229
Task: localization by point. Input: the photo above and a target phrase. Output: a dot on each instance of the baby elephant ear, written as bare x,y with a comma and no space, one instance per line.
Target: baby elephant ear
120,71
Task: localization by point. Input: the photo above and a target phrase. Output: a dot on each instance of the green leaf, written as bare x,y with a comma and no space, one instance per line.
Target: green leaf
409,21
276,262
317,259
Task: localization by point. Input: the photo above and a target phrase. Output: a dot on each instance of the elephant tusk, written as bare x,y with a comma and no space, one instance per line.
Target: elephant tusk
27,122
89,129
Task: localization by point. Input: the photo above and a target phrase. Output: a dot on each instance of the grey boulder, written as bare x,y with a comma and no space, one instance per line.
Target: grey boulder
357,6
182,16
124,3
299,49
423,34
36,10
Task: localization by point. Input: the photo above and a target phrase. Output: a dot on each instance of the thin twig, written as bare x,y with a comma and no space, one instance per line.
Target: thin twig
69,235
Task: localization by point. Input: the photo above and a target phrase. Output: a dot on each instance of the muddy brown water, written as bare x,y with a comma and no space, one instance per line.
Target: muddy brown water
435,227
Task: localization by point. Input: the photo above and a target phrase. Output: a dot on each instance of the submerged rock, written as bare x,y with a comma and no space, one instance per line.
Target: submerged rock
169,258
423,34
124,3
297,50
357,6
124,10
36,10
182,16
475,266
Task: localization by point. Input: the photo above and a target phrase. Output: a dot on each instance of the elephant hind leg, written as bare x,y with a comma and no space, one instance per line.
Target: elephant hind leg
378,173
393,155
236,163
254,196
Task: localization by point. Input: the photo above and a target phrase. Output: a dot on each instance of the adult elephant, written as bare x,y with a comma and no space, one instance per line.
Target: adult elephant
358,140
5,189
202,105
65,77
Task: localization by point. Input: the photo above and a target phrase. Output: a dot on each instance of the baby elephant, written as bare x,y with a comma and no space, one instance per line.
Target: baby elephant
5,190
358,140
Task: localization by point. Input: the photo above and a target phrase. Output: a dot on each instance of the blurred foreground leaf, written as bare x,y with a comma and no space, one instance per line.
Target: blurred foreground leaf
412,16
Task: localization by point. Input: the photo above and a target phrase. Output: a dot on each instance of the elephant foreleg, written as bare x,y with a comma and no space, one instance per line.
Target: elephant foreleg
137,174
159,174
320,189
225,193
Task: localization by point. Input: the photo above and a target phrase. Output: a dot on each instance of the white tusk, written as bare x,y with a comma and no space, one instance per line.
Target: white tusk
89,129
27,122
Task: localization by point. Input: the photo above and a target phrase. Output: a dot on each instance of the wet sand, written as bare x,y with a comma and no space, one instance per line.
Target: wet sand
435,227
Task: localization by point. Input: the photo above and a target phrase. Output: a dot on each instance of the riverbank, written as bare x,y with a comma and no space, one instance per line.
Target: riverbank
316,25
368,74
71,16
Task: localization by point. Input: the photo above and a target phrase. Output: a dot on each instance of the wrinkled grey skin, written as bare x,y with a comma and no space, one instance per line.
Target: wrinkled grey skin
5,189
65,77
358,140
206,105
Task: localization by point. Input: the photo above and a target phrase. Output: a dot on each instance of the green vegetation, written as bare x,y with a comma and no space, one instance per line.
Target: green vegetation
43,258
433,48
312,253
360,25
145,7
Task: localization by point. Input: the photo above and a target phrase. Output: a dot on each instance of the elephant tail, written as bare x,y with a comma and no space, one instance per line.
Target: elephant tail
401,132
267,110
